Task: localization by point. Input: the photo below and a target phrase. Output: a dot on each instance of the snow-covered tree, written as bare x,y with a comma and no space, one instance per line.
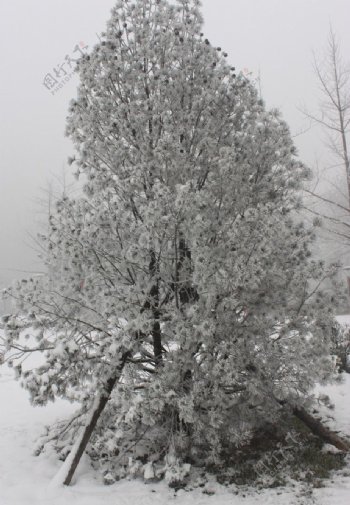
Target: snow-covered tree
183,306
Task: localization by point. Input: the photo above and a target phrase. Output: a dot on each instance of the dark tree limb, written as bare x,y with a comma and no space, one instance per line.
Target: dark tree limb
91,424
318,429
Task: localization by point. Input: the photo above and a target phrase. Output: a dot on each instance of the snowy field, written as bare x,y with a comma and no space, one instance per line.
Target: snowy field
25,479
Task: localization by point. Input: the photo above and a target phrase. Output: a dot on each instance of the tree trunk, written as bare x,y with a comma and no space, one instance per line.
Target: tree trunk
154,294
66,473
317,428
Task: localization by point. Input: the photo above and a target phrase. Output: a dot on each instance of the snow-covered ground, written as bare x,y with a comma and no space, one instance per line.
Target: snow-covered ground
25,478
344,320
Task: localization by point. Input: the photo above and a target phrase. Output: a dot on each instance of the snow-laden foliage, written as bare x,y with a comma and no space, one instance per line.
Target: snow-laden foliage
184,256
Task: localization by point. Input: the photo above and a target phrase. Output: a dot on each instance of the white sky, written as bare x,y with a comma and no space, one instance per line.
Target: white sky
273,37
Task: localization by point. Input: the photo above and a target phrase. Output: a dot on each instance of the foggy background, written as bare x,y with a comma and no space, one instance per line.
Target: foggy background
271,39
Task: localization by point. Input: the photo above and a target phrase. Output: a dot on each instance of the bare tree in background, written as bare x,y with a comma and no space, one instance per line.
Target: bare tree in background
333,76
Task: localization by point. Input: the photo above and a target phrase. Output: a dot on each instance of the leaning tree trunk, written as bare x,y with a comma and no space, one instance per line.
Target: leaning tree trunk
69,467
318,429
